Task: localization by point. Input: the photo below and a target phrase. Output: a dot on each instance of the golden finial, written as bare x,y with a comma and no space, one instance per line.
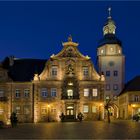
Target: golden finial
109,12
70,38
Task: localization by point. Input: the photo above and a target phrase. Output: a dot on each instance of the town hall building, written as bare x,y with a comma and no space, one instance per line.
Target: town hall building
41,90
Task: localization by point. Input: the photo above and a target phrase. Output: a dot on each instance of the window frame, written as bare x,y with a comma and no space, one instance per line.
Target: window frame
53,92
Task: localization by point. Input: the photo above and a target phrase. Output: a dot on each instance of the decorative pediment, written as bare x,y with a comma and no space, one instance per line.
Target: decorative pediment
70,50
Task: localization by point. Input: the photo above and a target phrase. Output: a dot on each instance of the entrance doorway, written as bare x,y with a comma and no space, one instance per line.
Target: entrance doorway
70,111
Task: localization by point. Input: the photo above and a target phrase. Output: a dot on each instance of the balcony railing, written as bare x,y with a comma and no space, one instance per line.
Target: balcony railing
70,97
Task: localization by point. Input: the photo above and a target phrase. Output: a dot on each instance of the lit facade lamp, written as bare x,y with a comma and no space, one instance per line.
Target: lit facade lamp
48,108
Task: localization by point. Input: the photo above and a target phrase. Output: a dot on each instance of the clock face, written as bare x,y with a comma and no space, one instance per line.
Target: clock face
111,63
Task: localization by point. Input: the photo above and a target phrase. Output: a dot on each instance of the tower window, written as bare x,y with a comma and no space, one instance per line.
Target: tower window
115,73
102,51
107,87
115,87
54,71
70,93
111,49
107,73
86,92
85,71
119,51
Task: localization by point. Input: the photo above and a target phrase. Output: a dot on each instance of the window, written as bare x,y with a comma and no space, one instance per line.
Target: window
107,73
26,109
115,87
115,73
1,111
119,51
44,92
54,71
70,92
85,109
94,92
1,93
107,97
17,109
17,93
53,110
85,71
26,93
53,92
44,110
102,51
86,92
94,109
136,98
111,49
107,87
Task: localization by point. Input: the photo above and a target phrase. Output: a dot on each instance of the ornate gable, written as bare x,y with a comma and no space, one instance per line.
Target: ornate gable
70,50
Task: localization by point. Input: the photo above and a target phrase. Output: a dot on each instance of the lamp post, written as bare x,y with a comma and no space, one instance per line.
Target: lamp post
48,113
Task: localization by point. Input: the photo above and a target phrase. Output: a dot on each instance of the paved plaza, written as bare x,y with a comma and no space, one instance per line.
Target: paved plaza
74,130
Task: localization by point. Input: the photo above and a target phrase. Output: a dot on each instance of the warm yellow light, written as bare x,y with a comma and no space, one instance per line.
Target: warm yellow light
48,106
133,105
101,104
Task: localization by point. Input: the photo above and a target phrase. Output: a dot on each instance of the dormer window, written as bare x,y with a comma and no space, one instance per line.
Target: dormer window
85,71
119,51
54,71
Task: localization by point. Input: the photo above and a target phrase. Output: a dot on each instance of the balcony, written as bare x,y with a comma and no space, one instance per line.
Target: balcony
70,97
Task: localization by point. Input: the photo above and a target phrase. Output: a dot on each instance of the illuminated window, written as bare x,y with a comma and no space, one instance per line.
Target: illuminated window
1,111
70,84
111,49
85,109
107,73
17,93
44,92
17,109
53,92
94,109
1,93
86,92
85,71
94,92
26,93
115,73
107,87
115,87
102,51
70,93
119,51
26,109
54,71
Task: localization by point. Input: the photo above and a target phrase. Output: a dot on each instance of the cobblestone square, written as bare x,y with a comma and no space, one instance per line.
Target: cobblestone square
74,130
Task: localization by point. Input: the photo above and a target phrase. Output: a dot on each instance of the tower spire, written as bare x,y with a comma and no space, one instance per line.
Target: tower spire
109,12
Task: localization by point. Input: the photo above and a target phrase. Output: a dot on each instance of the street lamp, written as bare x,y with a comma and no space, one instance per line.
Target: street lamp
48,113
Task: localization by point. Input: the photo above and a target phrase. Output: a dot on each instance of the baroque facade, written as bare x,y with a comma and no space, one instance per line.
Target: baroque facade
40,90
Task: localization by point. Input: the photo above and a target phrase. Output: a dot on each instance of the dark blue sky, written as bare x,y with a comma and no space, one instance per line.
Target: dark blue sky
36,29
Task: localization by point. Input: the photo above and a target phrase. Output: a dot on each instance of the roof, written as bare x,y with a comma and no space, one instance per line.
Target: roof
132,85
109,39
24,69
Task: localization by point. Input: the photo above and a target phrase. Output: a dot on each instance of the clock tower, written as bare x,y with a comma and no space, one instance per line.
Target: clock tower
111,61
